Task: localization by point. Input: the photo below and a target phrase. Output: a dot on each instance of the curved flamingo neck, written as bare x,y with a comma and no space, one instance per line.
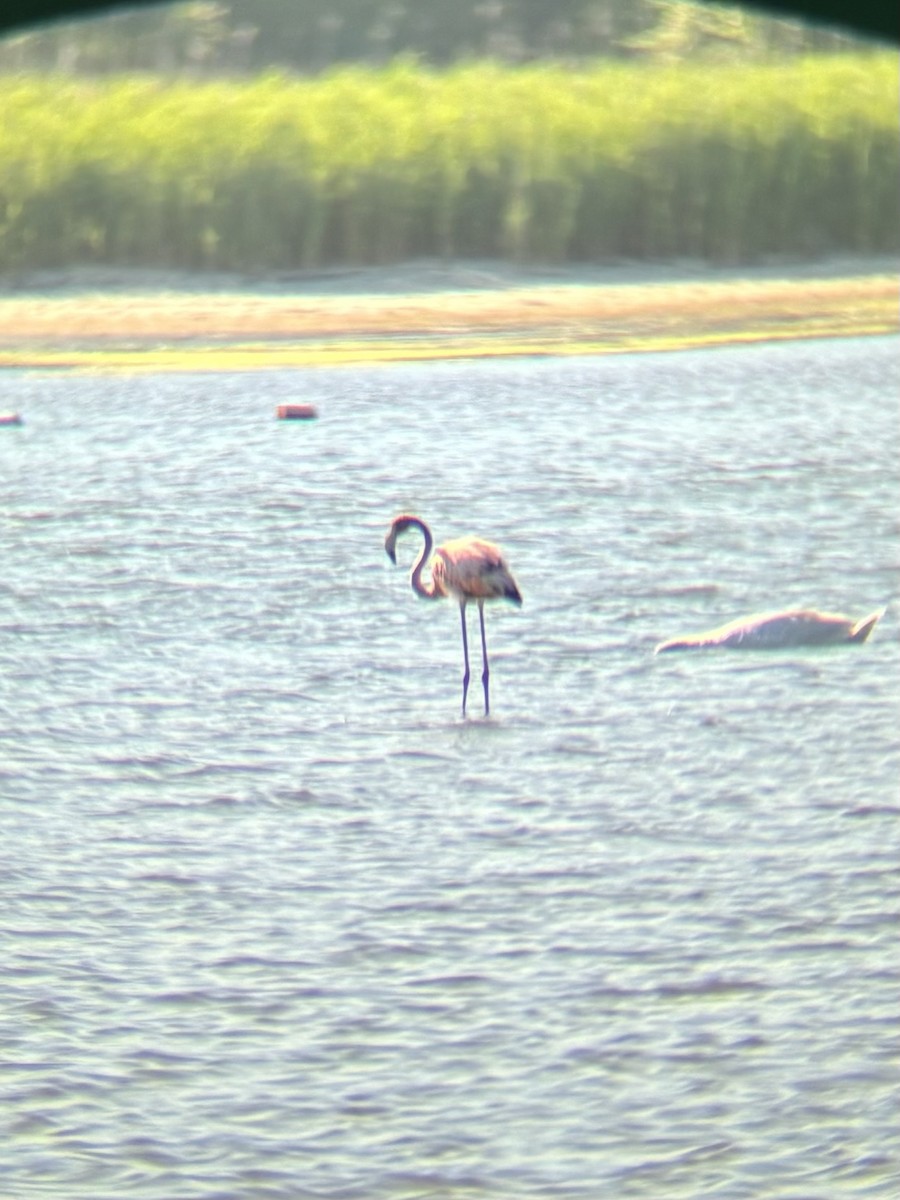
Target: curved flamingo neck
415,578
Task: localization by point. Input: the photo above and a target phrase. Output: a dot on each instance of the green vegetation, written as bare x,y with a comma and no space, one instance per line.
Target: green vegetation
727,163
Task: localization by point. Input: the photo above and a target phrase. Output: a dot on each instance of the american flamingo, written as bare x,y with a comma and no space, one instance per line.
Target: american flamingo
467,568
780,630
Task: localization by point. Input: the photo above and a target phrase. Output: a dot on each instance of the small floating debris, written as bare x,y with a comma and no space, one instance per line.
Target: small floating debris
11,419
296,412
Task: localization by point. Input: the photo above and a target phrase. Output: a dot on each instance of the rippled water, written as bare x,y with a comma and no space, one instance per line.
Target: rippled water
276,922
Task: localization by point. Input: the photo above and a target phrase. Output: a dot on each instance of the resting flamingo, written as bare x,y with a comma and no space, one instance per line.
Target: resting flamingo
467,568
780,631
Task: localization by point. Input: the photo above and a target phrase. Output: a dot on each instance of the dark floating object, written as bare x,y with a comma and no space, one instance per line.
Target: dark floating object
296,412
779,631
11,419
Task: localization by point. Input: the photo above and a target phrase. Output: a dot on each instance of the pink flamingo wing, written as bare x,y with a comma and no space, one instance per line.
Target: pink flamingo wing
475,569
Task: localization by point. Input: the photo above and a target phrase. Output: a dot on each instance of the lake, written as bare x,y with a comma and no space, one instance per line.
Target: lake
276,922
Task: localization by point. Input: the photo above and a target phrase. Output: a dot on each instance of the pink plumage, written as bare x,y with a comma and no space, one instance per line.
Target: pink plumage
467,568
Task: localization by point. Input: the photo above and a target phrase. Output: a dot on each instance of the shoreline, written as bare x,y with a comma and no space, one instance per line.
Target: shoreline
427,275
131,320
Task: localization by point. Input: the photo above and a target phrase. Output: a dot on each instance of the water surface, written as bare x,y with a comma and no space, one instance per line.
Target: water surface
276,922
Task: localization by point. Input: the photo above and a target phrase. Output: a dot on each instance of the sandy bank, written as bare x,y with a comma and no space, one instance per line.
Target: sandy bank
438,310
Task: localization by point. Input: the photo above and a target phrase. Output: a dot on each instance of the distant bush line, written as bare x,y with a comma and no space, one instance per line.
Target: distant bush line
537,163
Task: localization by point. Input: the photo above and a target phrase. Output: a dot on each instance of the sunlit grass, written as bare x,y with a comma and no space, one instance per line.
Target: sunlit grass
531,163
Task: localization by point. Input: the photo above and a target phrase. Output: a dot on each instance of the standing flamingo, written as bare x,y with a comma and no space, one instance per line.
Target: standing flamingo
467,568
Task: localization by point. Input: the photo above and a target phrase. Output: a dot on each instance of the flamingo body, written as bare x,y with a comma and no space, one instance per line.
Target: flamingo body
779,631
466,568
469,568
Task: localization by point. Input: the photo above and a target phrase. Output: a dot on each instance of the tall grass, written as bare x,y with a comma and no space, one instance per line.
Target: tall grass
534,163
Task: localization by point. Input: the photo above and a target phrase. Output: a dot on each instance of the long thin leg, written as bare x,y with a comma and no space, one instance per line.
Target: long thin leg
484,658
462,614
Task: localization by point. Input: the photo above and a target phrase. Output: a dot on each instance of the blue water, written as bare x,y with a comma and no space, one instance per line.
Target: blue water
276,922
